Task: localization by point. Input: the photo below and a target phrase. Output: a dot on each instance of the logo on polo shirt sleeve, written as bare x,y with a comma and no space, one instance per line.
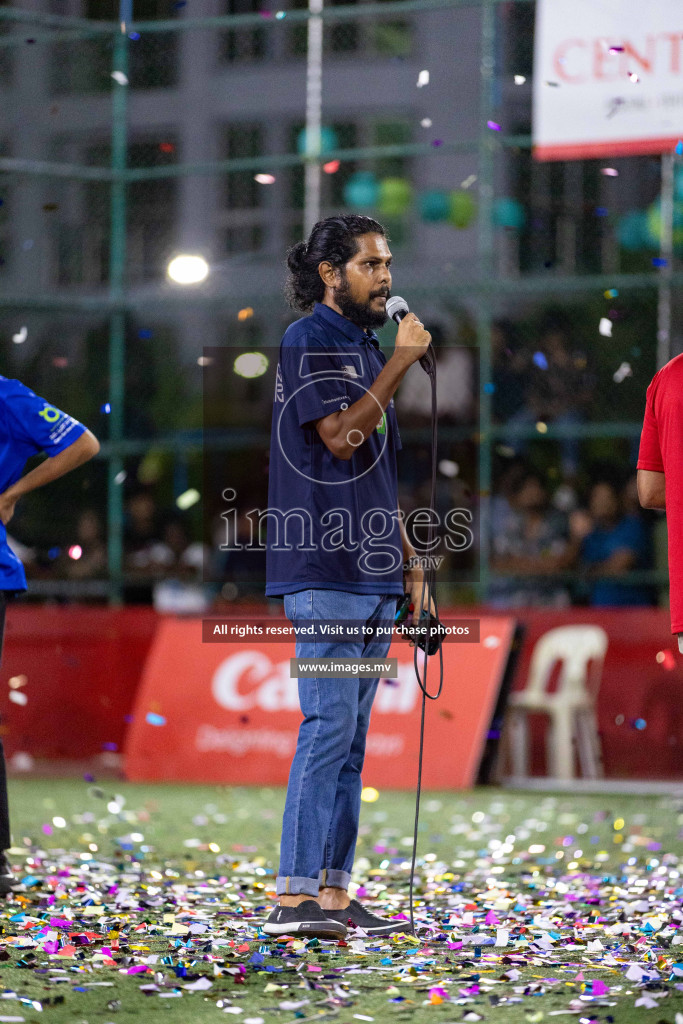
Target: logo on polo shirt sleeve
49,413
279,385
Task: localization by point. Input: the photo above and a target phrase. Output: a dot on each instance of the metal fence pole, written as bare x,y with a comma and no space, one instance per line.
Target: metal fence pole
314,73
485,270
117,323
666,251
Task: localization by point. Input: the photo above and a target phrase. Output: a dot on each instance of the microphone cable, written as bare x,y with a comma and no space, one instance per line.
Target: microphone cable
428,363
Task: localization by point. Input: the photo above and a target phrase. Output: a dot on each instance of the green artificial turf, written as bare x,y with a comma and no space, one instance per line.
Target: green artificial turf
477,842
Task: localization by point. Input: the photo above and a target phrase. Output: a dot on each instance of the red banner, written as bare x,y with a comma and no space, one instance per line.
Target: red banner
640,713
229,713
82,667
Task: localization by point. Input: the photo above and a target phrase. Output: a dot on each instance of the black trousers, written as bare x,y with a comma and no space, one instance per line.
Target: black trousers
5,840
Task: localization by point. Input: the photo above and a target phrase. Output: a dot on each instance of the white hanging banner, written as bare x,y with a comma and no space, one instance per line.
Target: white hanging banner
608,78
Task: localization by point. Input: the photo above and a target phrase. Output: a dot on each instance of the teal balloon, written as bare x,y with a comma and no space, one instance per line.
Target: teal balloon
632,230
462,208
328,141
678,182
395,196
434,205
362,189
508,213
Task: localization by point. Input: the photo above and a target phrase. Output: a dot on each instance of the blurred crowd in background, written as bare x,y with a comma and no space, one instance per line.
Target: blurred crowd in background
565,523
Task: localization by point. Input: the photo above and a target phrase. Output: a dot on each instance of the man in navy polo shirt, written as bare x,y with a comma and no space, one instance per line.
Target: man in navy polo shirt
336,548
28,425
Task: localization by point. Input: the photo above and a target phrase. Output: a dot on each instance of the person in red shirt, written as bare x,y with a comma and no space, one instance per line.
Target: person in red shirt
660,471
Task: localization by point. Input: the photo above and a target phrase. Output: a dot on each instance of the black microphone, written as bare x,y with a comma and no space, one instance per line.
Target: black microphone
397,308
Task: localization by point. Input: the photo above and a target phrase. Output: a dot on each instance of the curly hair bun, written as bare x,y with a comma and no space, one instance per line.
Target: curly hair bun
295,257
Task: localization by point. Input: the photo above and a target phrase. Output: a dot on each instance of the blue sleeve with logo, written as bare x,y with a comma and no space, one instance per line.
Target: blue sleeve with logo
319,379
34,422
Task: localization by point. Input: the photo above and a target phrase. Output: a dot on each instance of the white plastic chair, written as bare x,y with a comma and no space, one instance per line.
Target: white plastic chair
570,708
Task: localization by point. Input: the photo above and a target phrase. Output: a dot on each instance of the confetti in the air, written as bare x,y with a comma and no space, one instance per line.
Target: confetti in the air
119,77
426,122
423,79
153,718
609,172
265,179
494,126
19,338
605,327
369,795
520,79
188,498
448,468
622,373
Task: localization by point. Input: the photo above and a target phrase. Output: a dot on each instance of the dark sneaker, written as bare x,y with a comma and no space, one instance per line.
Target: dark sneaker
306,919
358,916
7,879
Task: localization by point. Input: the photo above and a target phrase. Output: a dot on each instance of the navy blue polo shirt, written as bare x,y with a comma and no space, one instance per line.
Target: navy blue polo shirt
332,524
28,425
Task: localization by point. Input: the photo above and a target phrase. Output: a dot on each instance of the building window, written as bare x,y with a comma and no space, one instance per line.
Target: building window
242,192
363,36
87,65
244,44
518,32
151,214
243,213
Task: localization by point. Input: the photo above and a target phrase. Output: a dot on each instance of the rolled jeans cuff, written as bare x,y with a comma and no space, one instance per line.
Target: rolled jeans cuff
294,885
331,877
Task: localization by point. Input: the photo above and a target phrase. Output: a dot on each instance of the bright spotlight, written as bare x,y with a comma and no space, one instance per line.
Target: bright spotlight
188,269
250,364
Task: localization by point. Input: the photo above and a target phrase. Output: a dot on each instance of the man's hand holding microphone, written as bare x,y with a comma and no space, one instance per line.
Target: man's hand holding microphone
343,432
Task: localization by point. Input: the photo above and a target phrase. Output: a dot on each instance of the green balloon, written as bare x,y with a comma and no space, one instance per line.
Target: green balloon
654,224
434,205
463,209
328,141
508,213
362,189
395,196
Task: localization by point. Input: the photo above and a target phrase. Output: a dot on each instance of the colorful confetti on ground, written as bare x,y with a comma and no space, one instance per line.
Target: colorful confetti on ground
144,903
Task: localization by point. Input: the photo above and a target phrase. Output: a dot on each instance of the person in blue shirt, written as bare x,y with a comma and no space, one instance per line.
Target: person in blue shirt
336,547
28,425
615,544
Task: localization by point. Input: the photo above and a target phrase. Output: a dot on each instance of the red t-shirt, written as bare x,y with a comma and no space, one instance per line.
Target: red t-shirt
661,450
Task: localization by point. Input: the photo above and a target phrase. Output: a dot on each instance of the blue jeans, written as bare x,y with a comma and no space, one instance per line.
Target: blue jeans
320,822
